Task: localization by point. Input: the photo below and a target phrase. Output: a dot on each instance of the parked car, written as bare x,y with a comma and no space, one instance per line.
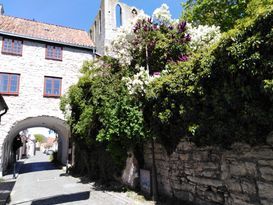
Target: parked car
49,152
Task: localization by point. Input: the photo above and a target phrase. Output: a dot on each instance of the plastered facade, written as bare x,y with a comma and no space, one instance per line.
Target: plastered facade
33,67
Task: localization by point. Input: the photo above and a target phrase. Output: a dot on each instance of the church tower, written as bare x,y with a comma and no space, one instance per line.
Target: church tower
112,15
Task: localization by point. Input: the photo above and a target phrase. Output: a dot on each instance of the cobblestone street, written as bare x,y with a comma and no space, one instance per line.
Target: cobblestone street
40,182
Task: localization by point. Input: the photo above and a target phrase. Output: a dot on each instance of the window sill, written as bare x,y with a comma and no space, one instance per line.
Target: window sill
9,94
52,96
12,54
54,59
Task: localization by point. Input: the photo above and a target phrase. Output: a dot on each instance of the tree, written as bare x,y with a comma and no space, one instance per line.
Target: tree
39,138
223,13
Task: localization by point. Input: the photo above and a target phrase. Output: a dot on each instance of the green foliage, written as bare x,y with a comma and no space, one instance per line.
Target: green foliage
220,13
221,96
39,138
102,111
218,95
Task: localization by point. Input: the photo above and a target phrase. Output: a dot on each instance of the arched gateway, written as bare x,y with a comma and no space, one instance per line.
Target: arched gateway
53,123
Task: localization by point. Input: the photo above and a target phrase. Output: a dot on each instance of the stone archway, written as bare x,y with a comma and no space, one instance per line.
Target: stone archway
53,123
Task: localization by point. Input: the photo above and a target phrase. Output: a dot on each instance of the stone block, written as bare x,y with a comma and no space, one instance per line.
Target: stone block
186,196
209,174
185,146
260,153
215,157
200,156
243,169
249,188
184,157
190,172
210,165
266,162
234,186
187,187
266,173
176,184
214,197
240,199
225,173
267,202
265,190
205,181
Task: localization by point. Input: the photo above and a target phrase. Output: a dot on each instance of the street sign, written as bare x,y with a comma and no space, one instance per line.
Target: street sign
145,181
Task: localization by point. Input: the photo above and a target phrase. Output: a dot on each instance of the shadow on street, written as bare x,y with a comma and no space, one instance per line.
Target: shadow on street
59,199
37,166
10,168
5,188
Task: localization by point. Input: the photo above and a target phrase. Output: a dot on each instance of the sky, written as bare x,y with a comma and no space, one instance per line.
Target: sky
76,13
41,130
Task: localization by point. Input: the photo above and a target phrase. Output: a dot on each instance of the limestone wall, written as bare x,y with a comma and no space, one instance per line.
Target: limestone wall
210,175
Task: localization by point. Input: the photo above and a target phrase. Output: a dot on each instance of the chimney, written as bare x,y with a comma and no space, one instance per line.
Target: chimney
1,9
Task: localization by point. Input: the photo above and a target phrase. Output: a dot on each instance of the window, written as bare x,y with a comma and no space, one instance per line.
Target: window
134,12
12,46
52,87
95,30
54,52
9,83
118,16
100,22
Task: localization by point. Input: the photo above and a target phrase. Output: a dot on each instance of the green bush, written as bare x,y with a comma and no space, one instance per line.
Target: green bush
102,111
220,96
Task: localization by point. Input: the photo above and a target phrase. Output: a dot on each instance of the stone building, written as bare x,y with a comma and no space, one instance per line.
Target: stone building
38,63
111,17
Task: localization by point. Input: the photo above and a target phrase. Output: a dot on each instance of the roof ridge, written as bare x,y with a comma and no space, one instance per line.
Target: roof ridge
45,23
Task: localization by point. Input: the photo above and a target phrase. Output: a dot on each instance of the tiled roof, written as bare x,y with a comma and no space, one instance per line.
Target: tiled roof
45,32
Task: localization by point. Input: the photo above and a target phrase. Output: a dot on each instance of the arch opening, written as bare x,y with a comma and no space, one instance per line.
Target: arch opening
118,16
59,126
100,23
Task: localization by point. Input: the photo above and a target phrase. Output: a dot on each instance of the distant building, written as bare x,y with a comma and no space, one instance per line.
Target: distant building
31,145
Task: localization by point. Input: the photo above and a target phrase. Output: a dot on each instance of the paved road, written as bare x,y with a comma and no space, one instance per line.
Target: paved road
40,183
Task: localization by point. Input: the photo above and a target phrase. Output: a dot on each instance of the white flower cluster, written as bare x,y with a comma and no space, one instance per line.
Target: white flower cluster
67,111
120,46
138,83
203,36
162,14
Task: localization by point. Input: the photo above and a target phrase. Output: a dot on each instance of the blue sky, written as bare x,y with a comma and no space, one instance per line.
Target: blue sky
76,13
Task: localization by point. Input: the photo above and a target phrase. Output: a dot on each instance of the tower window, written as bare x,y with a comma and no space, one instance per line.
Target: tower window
118,16
100,22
